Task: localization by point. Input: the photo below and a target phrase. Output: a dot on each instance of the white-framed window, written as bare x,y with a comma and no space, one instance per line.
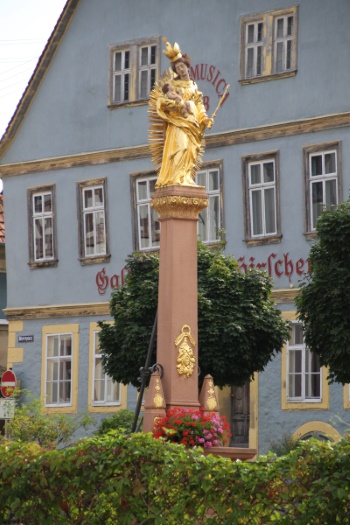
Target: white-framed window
323,184
148,227
94,221
43,226
134,68
209,224
269,44
93,229
146,224
254,48
304,374
323,181
284,43
262,198
42,234
261,189
58,371
105,391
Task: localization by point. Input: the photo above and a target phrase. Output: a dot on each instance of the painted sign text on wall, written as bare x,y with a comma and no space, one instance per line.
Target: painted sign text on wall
277,265
211,74
103,282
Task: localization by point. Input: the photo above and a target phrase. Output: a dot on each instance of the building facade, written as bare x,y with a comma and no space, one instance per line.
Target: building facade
78,179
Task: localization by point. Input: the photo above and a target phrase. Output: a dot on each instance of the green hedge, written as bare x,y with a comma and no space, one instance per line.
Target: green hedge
134,480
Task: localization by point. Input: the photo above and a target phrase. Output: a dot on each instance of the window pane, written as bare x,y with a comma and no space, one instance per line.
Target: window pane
144,226
297,334
126,59
117,88
88,198
250,62
329,163
201,178
155,228
153,79
317,202
142,190
255,176
213,180
48,237
280,24
331,194
144,84
289,55
290,24
153,54
64,390
113,391
203,224
257,213
99,391
66,345
214,217
117,61
126,86
98,193
100,233
152,186
279,57
144,56
39,241
260,32
47,202
259,60
316,165
269,174
38,206
295,385
270,211
250,33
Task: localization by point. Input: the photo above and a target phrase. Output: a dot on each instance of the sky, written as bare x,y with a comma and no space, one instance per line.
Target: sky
25,27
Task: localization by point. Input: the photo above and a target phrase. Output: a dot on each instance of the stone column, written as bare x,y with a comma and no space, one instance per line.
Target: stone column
177,336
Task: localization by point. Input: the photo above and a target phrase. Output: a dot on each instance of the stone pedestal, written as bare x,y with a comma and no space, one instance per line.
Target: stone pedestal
177,347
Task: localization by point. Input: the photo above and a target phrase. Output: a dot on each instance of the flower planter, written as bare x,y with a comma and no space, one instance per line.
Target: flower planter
233,453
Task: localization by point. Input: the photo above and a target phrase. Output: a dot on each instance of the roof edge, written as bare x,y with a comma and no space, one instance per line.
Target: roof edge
38,74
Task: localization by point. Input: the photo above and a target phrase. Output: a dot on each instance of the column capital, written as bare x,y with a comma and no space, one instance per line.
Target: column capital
181,202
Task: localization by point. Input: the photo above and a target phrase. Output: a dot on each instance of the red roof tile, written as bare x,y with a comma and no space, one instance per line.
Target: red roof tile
2,220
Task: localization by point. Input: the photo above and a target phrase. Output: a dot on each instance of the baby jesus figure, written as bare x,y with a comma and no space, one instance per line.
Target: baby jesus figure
185,106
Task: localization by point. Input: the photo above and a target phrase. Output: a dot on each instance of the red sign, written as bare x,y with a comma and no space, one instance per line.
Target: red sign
8,383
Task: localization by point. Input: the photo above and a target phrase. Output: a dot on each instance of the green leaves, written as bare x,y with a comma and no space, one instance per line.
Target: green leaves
324,300
239,327
118,479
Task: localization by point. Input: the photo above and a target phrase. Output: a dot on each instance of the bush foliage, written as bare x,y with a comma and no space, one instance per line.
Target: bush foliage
134,480
239,327
324,300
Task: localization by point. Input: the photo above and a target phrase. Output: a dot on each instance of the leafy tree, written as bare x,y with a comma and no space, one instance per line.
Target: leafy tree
323,302
239,327
31,423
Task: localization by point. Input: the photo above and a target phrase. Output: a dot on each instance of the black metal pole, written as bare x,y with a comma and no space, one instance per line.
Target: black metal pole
145,372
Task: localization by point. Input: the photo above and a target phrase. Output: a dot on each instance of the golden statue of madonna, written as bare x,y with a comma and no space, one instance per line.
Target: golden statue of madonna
178,122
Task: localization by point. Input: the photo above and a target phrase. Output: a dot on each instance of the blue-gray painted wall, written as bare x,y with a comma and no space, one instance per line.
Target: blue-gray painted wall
69,115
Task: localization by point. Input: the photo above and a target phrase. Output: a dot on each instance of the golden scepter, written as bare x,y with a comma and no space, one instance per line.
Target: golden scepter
222,98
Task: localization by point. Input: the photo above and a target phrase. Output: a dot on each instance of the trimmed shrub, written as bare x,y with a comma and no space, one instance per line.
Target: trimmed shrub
135,479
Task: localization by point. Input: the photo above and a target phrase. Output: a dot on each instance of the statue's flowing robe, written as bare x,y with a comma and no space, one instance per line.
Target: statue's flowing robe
183,136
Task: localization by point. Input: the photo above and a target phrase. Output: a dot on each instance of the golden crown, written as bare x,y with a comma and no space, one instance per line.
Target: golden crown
172,52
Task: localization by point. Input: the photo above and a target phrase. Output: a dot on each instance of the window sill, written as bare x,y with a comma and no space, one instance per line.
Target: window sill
131,103
85,261
275,239
43,264
306,405
310,236
267,78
